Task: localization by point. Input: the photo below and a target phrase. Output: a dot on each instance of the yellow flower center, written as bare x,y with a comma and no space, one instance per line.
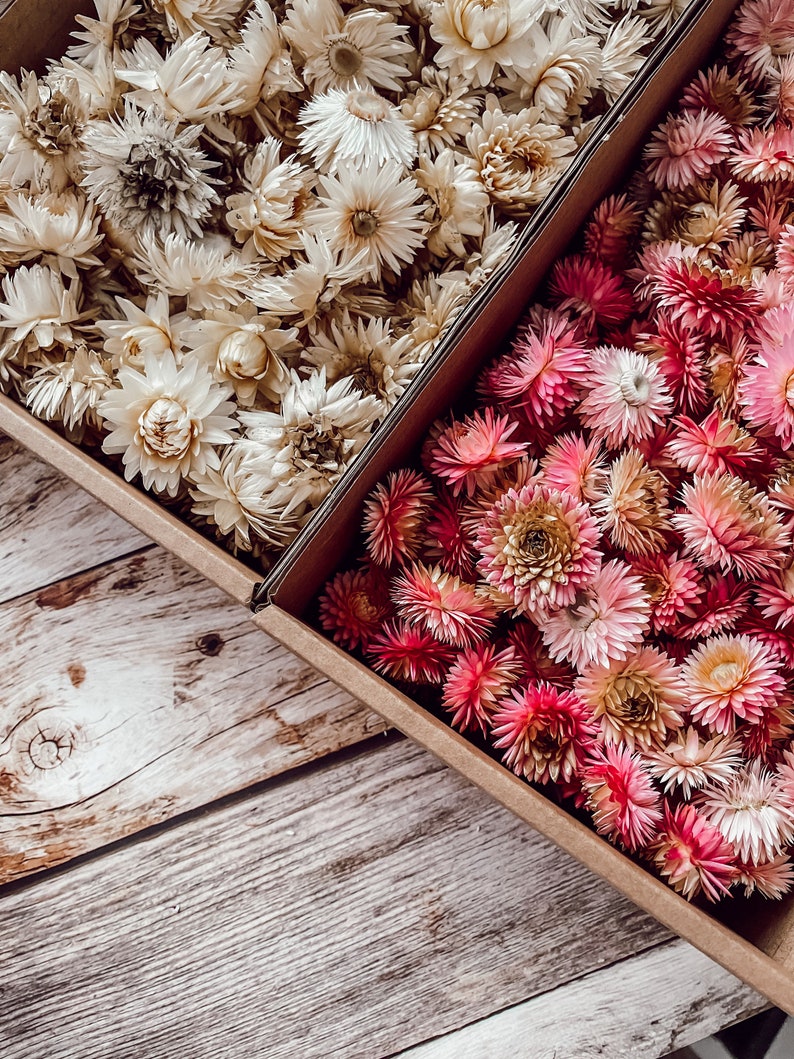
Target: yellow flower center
726,676
166,429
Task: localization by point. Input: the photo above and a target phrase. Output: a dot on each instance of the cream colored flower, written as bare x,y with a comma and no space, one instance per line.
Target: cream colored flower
62,228
167,421
207,272
151,329
441,109
69,391
270,213
260,66
519,157
622,55
459,202
431,308
38,307
357,125
244,348
184,17
374,209
479,36
364,47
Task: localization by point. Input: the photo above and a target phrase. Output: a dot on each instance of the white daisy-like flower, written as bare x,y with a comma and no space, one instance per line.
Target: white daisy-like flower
627,397
167,420
185,17
269,214
751,812
497,242
459,200
441,108
260,66
364,47
151,329
518,157
38,306
479,36
622,55
103,34
62,228
661,15
314,437
70,390
243,501
190,84
208,272
243,347
99,88
377,361
375,209
355,124
147,177
691,761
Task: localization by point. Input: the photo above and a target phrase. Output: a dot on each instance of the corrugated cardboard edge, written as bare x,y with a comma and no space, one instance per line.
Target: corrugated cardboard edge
738,955
141,511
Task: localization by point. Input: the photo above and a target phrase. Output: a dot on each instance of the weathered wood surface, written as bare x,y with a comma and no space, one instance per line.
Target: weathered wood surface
49,529
639,1008
136,691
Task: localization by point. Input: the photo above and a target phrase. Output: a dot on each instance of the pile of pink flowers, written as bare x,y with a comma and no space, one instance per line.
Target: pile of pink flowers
593,567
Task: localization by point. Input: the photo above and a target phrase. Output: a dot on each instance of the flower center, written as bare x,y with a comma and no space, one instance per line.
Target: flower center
364,223
363,607
368,106
726,676
243,354
483,23
634,388
790,390
166,429
344,58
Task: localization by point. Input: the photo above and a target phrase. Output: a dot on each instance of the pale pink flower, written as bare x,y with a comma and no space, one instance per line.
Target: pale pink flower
680,354
627,397
406,652
671,583
750,810
590,290
772,878
573,465
394,516
690,761
354,606
761,32
450,609
763,154
633,509
692,855
543,731
686,147
731,678
775,596
726,523
605,621
718,90
767,390
621,796
715,446
538,547
477,678
468,453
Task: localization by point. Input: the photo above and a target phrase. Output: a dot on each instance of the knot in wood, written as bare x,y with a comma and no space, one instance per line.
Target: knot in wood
50,747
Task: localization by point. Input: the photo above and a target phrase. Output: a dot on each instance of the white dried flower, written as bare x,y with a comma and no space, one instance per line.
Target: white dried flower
441,109
99,88
184,17
375,209
151,329
167,420
147,177
459,202
355,124
312,440
61,228
103,34
209,273
270,213
244,348
364,47
70,390
38,307
621,55
431,307
479,36
260,66
662,14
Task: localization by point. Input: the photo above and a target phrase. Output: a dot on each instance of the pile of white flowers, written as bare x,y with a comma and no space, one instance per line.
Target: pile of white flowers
231,232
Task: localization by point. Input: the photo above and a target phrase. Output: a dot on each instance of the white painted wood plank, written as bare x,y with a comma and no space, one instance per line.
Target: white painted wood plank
640,1008
49,528
136,691
349,911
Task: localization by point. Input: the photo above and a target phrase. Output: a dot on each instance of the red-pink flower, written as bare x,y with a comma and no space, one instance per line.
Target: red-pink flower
692,855
467,454
449,609
406,652
763,154
536,663
394,515
772,878
449,541
621,796
671,583
354,606
686,147
775,726
543,731
731,678
612,223
679,352
477,678
627,397
715,446
573,465
590,290
775,596
702,298
723,602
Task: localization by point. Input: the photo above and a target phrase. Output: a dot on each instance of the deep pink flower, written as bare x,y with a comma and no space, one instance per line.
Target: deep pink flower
671,583
703,298
590,290
409,653
449,541
354,606
467,454
394,515
477,678
692,855
680,354
621,796
449,609
612,224
536,663
686,147
714,446
723,602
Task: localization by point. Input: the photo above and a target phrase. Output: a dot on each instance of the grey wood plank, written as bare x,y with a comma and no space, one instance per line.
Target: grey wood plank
640,1008
136,691
49,528
350,911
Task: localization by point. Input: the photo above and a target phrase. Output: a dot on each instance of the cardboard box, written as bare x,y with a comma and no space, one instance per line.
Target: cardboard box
754,941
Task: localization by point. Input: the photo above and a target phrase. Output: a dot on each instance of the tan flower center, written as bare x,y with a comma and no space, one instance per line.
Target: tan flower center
631,702
482,23
790,390
344,58
363,607
727,675
243,355
166,429
368,106
538,548
655,585
634,388
364,223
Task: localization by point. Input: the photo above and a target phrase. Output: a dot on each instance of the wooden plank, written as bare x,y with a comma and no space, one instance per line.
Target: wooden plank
351,910
640,1008
136,691
49,528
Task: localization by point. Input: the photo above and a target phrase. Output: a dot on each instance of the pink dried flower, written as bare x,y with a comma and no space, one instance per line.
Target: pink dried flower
449,609
606,619
690,761
467,454
773,727
718,90
775,596
672,584
635,700
761,32
785,774
781,487
702,298
715,446
772,209
723,602
679,353
633,509
621,796
751,812
692,855
478,677
731,678
573,465
627,397
535,661
781,95
406,652
784,255
764,154
449,540
590,290
543,731
612,223
772,878
686,147
354,606
767,390
394,515
726,523
538,547
726,364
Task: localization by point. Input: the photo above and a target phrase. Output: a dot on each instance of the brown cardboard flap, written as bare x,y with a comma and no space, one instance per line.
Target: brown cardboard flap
32,31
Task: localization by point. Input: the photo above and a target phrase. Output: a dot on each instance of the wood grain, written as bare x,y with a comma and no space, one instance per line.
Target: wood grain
50,529
136,691
640,1008
349,911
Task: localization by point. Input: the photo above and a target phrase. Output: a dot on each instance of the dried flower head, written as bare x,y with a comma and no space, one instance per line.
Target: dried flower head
394,517
405,652
468,454
686,148
731,678
715,446
354,606
690,761
451,609
750,810
478,37
573,465
627,397
672,585
692,854
633,507
477,679
621,796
